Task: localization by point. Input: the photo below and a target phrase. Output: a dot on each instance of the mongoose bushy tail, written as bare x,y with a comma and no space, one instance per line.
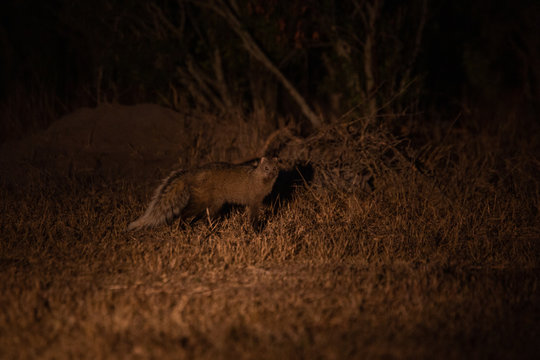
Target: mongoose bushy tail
207,188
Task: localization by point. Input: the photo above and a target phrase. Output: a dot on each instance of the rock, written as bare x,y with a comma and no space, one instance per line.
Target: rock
110,138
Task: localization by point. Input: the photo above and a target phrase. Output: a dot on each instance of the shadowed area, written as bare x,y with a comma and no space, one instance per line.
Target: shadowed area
287,183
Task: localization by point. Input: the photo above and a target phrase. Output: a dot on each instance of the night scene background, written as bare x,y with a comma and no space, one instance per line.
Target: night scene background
404,222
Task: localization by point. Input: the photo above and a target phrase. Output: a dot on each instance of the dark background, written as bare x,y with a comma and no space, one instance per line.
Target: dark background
471,55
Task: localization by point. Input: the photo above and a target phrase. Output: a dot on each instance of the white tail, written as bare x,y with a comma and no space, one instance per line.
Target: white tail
168,201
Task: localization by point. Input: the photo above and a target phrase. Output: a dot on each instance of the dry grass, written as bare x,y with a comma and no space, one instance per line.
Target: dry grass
373,258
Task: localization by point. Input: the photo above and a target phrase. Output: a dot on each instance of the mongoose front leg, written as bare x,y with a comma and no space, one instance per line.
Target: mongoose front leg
254,212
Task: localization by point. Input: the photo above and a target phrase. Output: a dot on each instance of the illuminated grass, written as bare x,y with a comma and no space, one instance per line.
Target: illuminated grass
436,263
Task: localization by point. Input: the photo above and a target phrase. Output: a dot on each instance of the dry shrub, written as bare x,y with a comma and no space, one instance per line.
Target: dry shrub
470,196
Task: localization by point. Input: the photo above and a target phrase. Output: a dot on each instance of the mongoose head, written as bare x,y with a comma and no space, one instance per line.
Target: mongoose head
267,169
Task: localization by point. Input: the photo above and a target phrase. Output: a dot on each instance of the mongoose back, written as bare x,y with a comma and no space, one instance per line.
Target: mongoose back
207,188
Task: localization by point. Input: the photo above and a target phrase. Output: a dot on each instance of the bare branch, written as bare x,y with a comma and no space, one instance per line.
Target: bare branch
417,44
223,9
221,85
158,13
204,83
187,80
372,12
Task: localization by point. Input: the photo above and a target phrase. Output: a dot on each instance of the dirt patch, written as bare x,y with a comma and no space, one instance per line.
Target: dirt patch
109,138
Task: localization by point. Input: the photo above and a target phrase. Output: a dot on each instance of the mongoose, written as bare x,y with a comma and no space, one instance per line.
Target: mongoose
193,192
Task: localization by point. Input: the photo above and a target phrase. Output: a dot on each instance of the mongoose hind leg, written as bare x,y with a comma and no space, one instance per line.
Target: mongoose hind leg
254,216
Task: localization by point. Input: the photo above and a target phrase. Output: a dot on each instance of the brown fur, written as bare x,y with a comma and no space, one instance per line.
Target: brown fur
208,188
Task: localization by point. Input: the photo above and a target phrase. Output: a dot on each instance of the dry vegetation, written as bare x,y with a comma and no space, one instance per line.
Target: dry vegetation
394,249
